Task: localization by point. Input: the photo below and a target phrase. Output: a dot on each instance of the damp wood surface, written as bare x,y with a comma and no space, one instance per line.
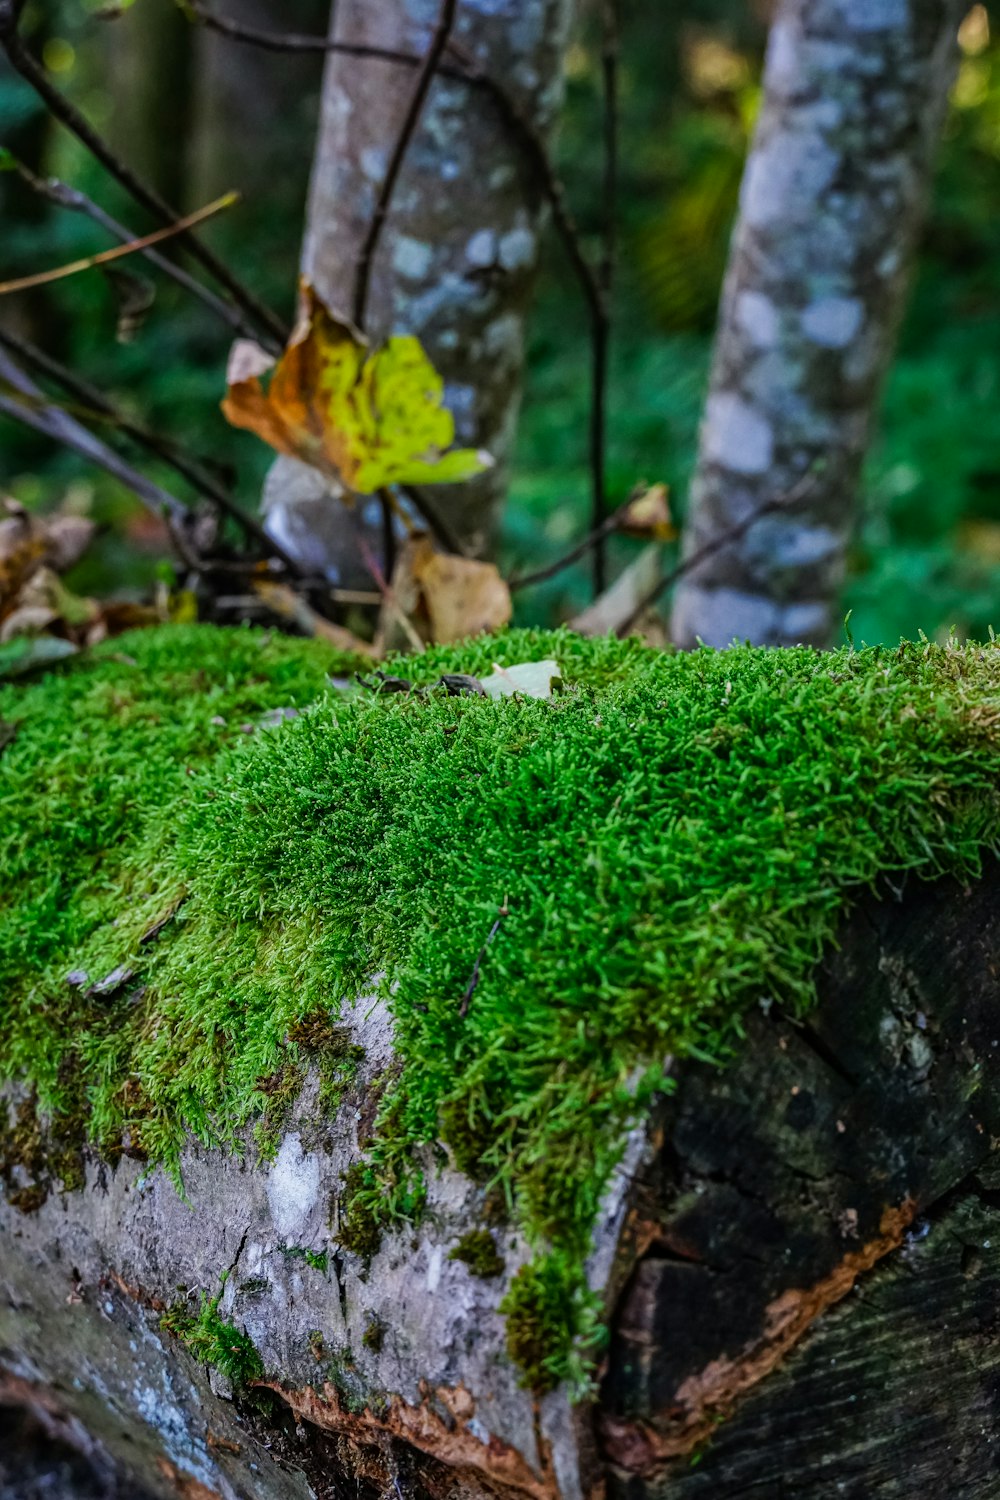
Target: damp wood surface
814,1314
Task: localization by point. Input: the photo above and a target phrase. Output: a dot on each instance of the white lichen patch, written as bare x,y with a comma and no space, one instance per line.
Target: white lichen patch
833,322
412,258
758,317
736,436
517,249
481,249
292,1186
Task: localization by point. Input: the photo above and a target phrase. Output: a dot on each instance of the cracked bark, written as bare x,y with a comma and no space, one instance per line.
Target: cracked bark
831,205
457,258
801,1267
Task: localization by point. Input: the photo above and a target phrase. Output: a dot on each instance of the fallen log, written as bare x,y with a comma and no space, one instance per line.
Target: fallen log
791,1239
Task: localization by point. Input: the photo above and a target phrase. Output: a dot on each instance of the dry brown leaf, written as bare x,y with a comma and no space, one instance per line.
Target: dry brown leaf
434,596
648,516
462,597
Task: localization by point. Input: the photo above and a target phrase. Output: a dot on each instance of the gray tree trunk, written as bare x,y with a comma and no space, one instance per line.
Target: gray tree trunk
458,255
831,205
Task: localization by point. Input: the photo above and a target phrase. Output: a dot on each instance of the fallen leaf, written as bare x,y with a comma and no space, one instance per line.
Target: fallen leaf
648,516
434,596
532,679
370,418
461,596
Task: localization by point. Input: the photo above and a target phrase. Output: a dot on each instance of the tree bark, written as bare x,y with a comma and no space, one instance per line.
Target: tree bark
800,1256
855,93
457,258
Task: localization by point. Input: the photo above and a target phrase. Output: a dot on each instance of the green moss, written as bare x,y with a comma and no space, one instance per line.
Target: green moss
374,1335
318,1259
673,837
361,1223
213,1341
479,1252
553,1327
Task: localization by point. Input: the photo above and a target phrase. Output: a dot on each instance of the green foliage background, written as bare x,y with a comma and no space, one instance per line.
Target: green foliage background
928,548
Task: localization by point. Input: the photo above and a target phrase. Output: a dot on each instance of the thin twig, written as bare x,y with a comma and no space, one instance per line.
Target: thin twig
470,988
22,61
47,419
131,247
601,328
439,42
716,544
60,193
593,538
153,442
288,41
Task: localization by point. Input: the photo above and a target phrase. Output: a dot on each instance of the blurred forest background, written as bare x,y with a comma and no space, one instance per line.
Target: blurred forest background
198,114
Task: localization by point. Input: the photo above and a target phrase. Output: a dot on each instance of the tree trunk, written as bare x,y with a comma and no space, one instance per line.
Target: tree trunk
457,259
150,72
801,1258
252,110
855,93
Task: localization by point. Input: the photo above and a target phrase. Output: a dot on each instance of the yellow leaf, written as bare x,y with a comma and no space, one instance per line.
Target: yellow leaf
370,418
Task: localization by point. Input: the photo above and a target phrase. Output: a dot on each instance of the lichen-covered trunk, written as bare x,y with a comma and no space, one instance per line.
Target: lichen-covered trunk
457,258
855,93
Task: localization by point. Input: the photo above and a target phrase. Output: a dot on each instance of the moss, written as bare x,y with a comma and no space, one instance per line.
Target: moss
213,1341
280,1090
553,1327
479,1252
674,836
318,1259
48,1153
360,1222
374,1335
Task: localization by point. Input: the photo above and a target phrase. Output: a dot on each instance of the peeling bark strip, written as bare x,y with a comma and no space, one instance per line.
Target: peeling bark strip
787,1242
457,257
832,201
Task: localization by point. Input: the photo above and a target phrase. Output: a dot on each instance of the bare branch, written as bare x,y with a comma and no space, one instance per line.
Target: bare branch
435,51
164,448
63,196
36,412
592,540
716,544
68,115
131,247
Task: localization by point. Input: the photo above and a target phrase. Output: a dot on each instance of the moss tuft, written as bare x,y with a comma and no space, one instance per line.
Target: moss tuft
213,1341
374,1335
360,1225
672,837
553,1326
479,1252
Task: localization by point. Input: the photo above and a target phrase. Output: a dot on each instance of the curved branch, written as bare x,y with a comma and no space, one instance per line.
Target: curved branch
22,61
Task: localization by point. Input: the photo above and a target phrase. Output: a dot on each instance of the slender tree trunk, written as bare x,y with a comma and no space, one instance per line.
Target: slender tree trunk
831,206
253,109
151,54
456,262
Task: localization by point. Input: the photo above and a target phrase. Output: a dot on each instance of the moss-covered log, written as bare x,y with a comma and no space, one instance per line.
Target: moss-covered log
425,1093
